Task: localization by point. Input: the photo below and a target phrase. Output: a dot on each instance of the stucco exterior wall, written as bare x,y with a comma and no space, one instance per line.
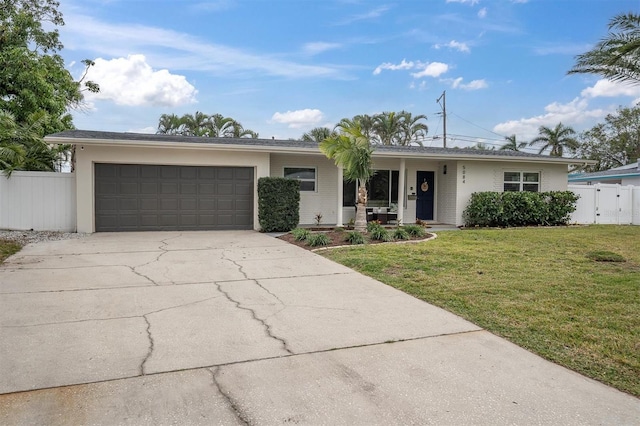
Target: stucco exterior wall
87,156
479,176
324,199
446,188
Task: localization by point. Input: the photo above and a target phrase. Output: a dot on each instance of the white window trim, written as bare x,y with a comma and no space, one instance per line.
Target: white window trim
314,180
521,182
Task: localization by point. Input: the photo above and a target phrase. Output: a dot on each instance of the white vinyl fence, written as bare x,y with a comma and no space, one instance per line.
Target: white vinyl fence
42,201
607,204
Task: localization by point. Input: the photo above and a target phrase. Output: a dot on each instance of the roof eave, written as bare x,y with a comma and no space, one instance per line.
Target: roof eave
309,150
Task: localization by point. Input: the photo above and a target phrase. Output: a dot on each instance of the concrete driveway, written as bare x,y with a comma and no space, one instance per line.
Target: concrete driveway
241,328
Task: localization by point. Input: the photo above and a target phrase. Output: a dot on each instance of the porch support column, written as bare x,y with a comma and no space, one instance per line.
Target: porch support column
401,191
340,195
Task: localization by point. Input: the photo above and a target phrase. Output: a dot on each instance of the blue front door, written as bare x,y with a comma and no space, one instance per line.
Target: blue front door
424,199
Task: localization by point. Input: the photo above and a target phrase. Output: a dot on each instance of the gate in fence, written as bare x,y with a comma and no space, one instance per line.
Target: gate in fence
607,204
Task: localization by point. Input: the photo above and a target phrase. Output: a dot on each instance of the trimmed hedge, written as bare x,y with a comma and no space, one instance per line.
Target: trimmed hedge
278,204
504,209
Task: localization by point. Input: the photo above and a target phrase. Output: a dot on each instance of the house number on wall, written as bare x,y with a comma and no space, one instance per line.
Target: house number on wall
464,174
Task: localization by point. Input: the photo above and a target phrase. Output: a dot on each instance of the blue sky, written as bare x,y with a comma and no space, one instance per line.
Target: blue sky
284,67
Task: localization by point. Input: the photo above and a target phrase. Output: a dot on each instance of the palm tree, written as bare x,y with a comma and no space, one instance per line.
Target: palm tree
388,127
558,139
169,124
22,146
196,124
233,129
317,134
617,56
412,128
352,151
512,145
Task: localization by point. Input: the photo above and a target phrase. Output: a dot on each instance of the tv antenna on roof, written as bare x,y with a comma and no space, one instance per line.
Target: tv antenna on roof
443,105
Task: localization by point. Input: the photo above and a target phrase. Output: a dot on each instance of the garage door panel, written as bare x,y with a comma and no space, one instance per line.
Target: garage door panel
148,188
243,189
128,188
128,204
149,197
189,204
206,189
188,188
150,172
225,189
207,204
107,188
148,204
169,188
169,172
243,174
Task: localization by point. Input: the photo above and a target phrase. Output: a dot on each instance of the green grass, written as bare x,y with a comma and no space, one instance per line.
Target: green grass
537,287
7,248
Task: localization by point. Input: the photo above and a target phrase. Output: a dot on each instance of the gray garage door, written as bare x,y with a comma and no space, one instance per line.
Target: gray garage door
134,197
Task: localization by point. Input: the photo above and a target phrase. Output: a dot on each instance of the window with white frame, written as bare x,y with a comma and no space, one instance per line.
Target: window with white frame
522,181
382,190
306,176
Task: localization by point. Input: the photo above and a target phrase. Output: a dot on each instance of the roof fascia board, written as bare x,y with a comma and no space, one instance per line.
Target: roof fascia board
303,150
603,177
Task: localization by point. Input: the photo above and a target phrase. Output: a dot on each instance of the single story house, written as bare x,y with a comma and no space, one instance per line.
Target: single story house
137,182
623,175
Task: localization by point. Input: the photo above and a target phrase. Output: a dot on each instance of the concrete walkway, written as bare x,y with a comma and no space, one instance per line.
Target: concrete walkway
241,328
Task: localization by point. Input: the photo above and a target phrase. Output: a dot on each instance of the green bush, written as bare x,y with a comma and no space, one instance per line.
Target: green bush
319,239
400,234
354,237
278,204
300,234
415,230
374,224
503,209
379,233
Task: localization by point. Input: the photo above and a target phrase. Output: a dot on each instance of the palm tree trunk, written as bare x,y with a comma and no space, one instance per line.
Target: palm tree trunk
360,224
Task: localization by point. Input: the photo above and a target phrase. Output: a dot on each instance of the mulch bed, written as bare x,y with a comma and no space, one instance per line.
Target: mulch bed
337,239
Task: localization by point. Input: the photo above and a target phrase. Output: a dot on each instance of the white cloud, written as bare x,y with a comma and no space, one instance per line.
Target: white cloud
372,14
319,47
176,50
299,118
462,47
131,81
420,87
482,13
470,2
433,69
404,65
573,113
472,85
610,89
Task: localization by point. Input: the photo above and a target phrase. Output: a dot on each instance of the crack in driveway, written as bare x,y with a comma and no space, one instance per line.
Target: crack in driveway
240,415
267,327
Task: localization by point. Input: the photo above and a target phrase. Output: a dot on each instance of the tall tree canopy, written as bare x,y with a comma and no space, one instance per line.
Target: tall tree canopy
617,56
614,143
512,145
389,128
36,91
558,139
201,124
317,134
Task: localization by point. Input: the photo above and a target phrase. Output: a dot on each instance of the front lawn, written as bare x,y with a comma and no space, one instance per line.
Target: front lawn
554,291
7,248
